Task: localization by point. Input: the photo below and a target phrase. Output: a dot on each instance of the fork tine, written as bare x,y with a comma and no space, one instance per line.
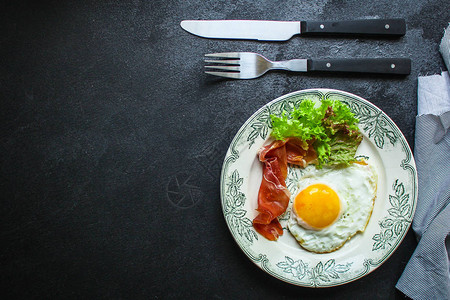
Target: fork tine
228,68
224,54
224,74
223,61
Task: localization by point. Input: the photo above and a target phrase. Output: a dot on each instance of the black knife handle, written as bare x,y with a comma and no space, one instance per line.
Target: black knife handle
362,65
388,27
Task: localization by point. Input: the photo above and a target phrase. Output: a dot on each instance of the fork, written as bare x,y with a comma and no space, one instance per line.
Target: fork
248,65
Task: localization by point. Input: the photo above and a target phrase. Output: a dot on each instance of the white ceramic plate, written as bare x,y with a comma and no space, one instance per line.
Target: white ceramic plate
383,146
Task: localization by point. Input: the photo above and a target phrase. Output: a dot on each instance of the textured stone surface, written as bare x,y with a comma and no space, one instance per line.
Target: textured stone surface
108,121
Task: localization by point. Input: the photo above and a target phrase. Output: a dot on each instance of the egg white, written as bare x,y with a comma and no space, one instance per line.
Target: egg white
356,187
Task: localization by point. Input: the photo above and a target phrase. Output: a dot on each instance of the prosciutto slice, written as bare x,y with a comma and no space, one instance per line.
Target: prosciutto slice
300,153
273,196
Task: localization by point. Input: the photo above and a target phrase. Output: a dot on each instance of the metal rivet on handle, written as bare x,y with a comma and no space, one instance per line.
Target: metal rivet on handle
392,66
386,26
322,26
328,65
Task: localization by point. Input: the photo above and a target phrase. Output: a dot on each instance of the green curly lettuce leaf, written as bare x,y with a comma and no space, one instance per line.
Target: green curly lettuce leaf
331,125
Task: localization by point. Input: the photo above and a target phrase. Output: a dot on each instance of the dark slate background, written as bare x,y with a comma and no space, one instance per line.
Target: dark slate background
112,140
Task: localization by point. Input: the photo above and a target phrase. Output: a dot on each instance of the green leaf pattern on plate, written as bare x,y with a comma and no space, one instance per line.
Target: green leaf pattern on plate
321,272
393,226
233,211
260,128
374,124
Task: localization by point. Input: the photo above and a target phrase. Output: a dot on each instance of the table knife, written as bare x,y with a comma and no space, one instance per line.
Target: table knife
284,30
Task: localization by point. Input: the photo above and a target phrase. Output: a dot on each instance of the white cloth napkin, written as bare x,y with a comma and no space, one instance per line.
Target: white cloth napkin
433,94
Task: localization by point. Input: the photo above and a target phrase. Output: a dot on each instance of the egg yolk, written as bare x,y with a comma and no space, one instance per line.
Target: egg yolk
318,205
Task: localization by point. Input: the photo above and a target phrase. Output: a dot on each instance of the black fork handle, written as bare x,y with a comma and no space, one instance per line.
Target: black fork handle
400,66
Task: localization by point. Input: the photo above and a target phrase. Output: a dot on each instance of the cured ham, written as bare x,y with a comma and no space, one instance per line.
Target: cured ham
300,153
273,196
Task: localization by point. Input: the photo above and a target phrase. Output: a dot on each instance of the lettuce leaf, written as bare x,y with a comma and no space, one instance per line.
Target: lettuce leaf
331,125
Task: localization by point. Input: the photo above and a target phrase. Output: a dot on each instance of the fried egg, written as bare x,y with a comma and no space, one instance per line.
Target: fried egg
333,204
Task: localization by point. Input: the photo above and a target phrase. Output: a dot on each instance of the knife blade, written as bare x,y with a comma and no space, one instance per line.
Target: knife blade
284,30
